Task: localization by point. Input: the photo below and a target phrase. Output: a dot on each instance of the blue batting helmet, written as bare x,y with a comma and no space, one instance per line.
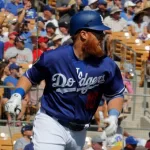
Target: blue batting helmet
86,20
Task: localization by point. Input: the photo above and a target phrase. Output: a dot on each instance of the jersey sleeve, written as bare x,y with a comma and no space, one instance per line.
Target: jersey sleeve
38,71
114,86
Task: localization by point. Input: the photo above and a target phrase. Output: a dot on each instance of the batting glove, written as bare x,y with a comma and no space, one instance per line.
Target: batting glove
111,129
13,105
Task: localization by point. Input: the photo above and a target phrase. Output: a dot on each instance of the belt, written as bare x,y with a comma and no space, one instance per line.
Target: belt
71,125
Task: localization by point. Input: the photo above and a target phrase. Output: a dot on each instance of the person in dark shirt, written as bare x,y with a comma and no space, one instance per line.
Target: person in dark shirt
102,6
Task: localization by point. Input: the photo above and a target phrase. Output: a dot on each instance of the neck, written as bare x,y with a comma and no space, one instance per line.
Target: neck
129,13
11,41
13,75
16,3
27,138
78,51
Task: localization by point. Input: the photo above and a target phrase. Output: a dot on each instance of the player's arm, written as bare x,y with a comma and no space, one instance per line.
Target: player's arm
114,97
116,103
97,117
24,83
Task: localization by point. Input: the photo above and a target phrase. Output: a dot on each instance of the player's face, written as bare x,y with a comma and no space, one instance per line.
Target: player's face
93,44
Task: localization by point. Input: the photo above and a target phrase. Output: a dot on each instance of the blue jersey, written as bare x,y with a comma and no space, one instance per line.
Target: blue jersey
31,14
13,8
7,91
73,87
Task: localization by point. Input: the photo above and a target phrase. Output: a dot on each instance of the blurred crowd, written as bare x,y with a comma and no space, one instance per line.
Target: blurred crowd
28,28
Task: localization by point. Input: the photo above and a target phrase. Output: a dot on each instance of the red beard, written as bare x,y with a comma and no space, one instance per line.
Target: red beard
92,48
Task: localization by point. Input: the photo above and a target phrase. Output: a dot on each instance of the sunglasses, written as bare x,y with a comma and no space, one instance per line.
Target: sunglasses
98,35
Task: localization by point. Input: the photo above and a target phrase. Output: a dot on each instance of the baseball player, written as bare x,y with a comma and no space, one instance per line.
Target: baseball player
76,77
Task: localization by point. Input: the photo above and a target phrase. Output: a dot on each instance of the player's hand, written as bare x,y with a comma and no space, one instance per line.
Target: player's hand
13,105
112,124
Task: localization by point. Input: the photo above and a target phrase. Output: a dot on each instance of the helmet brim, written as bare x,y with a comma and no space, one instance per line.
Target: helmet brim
99,28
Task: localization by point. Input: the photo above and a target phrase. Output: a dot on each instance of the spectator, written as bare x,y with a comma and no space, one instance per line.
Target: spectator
84,2
1,50
139,5
6,71
24,54
131,143
97,143
110,4
146,18
141,148
3,69
64,8
64,28
42,47
128,12
51,32
148,143
3,65
26,34
118,3
57,41
139,26
11,41
92,5
40,26
2,5
25,140
11,81
30,12
13,6
102,8
114,21
127,75
3,35
48,13
12,58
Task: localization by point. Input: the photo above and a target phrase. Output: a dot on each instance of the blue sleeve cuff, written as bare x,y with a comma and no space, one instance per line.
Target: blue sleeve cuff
114,112
20,91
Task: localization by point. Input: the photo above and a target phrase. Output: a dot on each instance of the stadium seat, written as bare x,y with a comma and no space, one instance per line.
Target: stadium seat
16,136
6,144
116,148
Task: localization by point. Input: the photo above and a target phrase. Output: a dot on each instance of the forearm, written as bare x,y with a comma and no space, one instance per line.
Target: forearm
115,103
63,9
96,116
24,83
21,17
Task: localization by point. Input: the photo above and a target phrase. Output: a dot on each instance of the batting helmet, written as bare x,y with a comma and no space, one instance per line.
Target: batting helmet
86,20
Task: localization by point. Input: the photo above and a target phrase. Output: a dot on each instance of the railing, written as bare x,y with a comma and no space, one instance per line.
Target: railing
145,112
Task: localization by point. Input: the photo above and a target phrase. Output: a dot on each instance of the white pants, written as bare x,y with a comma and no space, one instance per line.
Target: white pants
49,134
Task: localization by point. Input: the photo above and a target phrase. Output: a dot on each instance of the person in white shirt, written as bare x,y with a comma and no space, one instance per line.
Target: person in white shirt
64,28
48,13
92,5
115,22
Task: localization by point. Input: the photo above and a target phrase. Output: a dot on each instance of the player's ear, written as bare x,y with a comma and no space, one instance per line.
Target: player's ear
84,35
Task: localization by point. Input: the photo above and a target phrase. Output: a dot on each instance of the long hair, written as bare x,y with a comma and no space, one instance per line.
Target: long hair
3,64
